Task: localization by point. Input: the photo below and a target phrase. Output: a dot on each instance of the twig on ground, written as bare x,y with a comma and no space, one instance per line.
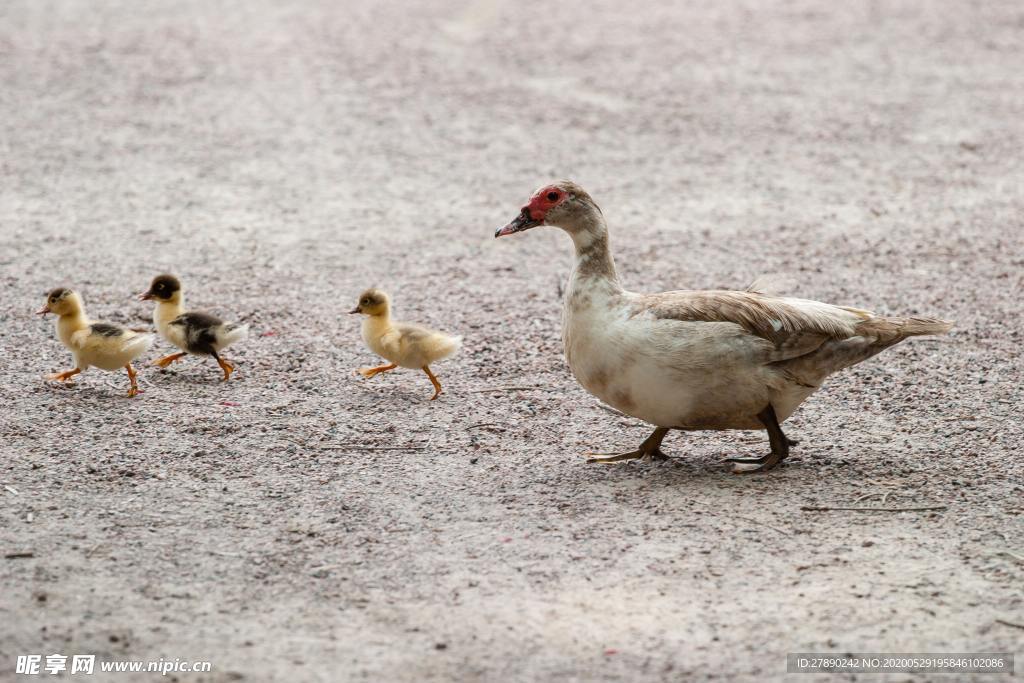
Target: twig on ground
817,508
488,425
1012,624
1011,554
356,446
11,489
496,389
19,555
767,526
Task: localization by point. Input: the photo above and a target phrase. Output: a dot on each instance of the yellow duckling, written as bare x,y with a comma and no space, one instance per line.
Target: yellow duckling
404,344
102,345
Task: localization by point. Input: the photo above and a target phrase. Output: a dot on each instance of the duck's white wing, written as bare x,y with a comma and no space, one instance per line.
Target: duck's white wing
790,324
810,337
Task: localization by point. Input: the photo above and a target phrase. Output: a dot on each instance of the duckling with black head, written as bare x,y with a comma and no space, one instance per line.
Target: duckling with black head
402,344
93,344
194,332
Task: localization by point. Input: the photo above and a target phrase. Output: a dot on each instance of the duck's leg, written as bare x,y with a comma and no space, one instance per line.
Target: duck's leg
227,367
63,376
370,372
763,458
167,360
779,443
650,449
433,380
134,390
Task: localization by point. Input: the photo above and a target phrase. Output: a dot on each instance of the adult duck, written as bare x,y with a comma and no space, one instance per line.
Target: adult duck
698,360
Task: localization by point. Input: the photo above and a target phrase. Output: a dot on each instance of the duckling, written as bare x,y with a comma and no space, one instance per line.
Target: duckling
102,345
193,332
404,344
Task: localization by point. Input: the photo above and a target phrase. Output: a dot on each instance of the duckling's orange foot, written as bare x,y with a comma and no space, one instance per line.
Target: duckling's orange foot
227,367
132,377
167,360
63,376
434,381
371,372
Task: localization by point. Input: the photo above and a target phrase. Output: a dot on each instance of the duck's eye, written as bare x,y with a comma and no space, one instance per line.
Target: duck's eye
365,302
552,196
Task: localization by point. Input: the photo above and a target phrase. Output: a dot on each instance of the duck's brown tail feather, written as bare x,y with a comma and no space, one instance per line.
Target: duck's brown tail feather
889,331
874,335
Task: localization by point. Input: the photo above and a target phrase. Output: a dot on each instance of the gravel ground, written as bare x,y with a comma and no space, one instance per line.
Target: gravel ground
301,523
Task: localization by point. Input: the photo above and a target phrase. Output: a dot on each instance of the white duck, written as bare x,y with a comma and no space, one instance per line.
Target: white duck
93,344
695,360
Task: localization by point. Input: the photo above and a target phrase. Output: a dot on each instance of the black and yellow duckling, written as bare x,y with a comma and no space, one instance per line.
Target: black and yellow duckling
193,332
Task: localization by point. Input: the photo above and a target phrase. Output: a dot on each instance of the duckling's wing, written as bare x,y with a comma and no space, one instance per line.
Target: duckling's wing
200,331
107,329
98,333
108,346
425,344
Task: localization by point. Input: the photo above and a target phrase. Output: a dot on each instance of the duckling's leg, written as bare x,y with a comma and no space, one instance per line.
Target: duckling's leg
134,390
63,376
433,380
650,449
227,367
370,372
167,360
779,442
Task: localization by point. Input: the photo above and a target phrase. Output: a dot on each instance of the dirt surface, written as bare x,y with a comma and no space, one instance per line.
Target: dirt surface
301,523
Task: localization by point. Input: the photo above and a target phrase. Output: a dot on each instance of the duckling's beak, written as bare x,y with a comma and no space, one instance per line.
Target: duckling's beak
524,221
355,310
145,296
43,311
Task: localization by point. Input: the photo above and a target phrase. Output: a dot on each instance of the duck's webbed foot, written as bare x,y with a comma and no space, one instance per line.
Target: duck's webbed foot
780,447
134,390
370,372
63,376
167,360
434,381
650,449
226,367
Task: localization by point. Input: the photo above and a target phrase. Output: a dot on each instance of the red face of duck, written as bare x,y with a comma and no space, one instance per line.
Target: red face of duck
536,210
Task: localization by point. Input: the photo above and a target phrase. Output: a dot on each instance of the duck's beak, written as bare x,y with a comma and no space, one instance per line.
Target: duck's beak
355,310
43,311
145,296
524,221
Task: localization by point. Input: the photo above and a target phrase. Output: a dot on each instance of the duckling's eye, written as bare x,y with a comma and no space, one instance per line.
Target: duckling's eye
365,302
552,196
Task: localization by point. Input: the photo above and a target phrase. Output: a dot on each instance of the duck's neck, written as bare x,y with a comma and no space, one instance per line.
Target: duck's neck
74,321
594,262
68,324
378,324
166,311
